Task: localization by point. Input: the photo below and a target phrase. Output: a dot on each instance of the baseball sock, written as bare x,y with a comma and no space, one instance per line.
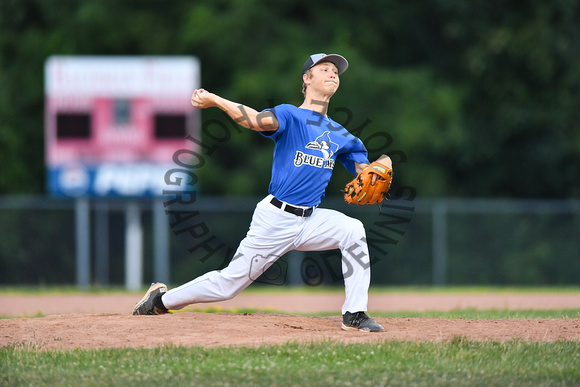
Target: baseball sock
159,303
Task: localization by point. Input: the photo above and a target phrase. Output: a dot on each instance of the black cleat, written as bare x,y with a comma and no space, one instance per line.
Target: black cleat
147,304
359,321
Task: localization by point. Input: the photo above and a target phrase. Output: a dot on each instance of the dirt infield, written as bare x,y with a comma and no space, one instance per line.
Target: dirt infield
104,321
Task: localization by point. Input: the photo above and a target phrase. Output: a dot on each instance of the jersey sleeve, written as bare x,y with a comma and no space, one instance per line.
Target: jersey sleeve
282,115
353,152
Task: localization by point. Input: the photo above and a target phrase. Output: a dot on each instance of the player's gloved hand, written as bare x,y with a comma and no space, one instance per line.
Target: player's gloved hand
371,185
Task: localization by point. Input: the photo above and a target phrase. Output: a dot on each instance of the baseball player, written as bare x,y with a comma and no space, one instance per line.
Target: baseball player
307,144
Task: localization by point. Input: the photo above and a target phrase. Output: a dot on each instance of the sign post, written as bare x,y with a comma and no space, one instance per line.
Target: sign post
112,125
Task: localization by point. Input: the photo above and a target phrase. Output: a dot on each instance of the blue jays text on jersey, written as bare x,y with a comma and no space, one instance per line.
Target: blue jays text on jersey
302,158
324,144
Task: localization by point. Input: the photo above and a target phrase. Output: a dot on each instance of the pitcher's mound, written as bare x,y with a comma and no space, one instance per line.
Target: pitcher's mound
95,331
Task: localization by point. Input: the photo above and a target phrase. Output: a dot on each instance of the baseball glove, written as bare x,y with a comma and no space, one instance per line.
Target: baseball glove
362,190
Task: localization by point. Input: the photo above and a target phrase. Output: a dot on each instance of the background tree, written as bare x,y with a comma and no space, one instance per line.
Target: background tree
481,97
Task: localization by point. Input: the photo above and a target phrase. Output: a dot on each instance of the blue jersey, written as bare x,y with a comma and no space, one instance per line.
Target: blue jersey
307,146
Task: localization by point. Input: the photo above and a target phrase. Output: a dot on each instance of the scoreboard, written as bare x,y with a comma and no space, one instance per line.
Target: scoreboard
112,124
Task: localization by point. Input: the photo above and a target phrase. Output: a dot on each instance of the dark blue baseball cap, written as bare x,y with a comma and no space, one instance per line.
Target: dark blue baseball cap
338,60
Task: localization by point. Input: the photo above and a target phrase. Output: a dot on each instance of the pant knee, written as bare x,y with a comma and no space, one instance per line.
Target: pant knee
357,229
230,293
354,235
231,287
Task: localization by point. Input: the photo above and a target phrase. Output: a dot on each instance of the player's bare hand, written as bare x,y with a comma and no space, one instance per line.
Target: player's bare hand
202,99
386,161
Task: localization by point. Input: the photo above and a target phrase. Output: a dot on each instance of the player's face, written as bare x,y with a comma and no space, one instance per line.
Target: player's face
325,78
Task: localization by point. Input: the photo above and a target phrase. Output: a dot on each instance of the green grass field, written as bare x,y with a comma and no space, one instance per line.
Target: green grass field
458,362
455,363
261,288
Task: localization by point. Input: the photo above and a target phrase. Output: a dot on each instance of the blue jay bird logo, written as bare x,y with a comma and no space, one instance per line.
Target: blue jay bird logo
323,144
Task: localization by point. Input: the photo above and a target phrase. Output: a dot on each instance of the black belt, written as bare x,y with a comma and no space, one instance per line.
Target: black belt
293,210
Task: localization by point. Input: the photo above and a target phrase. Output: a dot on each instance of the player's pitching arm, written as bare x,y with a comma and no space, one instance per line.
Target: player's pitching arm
243,115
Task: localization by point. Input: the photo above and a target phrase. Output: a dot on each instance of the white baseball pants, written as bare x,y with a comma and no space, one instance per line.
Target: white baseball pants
272,233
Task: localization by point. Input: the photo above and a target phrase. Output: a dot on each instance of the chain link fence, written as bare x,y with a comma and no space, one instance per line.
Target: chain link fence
412,242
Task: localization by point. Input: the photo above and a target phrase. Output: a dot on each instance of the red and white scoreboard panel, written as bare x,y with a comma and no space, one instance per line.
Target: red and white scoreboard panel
113,123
